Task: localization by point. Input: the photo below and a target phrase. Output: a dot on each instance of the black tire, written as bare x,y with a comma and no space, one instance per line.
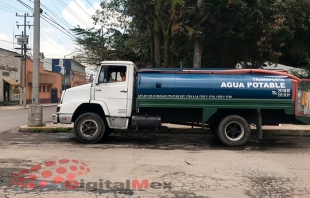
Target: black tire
234,130
89,128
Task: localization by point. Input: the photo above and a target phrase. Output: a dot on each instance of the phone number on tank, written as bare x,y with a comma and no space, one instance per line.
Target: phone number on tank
185,96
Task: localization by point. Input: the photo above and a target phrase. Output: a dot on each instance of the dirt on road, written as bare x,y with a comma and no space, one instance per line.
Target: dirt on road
152,165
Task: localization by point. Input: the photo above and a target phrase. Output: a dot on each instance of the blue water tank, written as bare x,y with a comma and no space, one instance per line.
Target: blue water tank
180,85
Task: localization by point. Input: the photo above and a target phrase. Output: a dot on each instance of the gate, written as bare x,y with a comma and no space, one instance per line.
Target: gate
54,98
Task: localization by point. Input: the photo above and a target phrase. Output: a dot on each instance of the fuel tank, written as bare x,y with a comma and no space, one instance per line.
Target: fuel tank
220,86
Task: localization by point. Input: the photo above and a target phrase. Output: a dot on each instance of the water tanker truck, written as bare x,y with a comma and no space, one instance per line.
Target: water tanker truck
228,101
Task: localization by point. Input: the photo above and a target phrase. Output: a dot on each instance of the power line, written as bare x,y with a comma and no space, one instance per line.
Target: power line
64,5
90,5
6,10
81,8
7,41
46,18
61,14
7,6
6,47
51,42
68,33
54,37
55,15
11,9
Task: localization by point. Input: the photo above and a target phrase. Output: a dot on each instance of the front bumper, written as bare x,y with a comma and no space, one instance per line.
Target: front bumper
55,118
63,118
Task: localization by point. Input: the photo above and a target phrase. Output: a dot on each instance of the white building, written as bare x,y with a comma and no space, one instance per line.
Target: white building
9,77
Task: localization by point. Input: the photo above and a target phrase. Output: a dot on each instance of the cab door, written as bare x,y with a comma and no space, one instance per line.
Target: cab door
112,89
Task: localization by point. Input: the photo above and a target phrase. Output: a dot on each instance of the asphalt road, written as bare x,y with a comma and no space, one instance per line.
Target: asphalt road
153,165
148,165
13,118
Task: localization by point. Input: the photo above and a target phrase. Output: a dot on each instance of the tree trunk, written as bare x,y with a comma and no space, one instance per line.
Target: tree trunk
157,36
198,46
151,36
197,54
166,50
156,44
171,61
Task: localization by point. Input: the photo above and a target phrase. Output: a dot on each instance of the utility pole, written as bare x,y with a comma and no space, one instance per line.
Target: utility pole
35,114
21,66
23,41
21,71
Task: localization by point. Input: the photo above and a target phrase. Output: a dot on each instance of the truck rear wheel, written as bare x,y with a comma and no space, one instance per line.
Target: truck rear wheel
234,130
89,128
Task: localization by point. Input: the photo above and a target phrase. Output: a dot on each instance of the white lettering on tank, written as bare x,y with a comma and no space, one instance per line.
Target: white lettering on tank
270,85
233,84
282,85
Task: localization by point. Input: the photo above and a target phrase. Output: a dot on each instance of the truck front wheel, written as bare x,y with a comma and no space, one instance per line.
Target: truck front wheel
234,130
89,128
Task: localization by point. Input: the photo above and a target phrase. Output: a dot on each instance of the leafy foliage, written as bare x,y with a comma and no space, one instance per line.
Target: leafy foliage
162,33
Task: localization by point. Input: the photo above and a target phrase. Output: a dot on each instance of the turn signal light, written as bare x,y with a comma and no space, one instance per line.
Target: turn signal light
58,109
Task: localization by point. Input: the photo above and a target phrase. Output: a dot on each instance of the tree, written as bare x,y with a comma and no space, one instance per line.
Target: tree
159,17
295,15
234,31
202,33
93,45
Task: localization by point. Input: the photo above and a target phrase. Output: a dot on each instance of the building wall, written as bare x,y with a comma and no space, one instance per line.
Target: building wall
74,71
9,68
48,80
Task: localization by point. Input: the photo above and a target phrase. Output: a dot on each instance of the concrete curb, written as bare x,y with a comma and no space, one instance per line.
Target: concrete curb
21,107
44,129
69,129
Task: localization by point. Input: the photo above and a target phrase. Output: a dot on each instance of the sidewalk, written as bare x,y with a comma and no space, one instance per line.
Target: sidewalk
21,107
283,129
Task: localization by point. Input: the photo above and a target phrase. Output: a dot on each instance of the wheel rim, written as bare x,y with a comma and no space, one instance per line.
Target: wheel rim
89,128
234,131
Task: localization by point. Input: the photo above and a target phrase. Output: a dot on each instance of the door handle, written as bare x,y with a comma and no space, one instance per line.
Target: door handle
123,91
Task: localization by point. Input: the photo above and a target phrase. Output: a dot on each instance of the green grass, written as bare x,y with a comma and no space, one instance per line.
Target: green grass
51,130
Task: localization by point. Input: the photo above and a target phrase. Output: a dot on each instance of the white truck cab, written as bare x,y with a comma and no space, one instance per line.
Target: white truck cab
98,108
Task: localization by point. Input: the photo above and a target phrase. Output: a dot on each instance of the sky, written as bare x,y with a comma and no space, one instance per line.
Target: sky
53,42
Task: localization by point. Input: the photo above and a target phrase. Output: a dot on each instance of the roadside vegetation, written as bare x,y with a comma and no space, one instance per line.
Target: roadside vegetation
199,33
